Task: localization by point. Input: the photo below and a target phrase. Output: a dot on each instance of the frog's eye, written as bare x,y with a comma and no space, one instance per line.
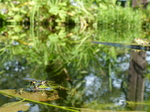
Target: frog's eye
32,82
43,82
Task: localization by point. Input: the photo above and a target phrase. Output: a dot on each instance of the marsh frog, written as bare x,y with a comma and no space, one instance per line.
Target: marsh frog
40,85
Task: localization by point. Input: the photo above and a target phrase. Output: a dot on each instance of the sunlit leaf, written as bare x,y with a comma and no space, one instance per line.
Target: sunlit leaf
15,9
54,10
17,18
37,96
62,14
15,107
14,37
34,99
17,28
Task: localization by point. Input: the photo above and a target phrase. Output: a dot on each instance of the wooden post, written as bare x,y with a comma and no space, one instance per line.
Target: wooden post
136,79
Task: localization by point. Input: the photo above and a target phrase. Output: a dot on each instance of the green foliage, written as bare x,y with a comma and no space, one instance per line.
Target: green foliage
49,40
53,43
99,106
2,16
84,13
119,18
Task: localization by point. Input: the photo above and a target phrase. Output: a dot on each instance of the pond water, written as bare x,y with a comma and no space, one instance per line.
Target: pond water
97,76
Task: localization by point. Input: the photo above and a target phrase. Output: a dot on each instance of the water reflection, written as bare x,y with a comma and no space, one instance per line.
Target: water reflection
136,85
96,75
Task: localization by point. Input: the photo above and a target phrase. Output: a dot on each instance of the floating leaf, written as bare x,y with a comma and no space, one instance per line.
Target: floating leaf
15,107
38,96
32,97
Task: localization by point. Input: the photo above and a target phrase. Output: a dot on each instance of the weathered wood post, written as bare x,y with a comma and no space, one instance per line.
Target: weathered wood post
136,79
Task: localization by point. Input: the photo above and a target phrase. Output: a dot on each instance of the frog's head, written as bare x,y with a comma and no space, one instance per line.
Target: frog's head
33,82
43,82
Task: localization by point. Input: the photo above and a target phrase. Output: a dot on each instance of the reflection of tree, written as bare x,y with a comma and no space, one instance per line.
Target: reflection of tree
136,78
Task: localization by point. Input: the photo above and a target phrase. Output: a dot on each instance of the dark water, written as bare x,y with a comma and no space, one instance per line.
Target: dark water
104,79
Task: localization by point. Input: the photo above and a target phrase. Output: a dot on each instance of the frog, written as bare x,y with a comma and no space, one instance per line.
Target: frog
40,86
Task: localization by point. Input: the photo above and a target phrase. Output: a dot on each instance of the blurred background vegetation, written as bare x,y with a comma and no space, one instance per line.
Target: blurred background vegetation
51,39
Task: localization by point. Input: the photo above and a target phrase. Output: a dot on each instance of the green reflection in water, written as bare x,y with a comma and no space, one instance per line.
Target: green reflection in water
56,52
68,57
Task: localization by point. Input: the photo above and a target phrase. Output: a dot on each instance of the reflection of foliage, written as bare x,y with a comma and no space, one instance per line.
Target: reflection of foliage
59,45
75,96
51,44
98,106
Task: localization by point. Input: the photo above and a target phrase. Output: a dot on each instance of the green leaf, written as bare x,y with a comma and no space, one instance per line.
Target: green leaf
15,107
54,10
15,9
17,18
33,97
